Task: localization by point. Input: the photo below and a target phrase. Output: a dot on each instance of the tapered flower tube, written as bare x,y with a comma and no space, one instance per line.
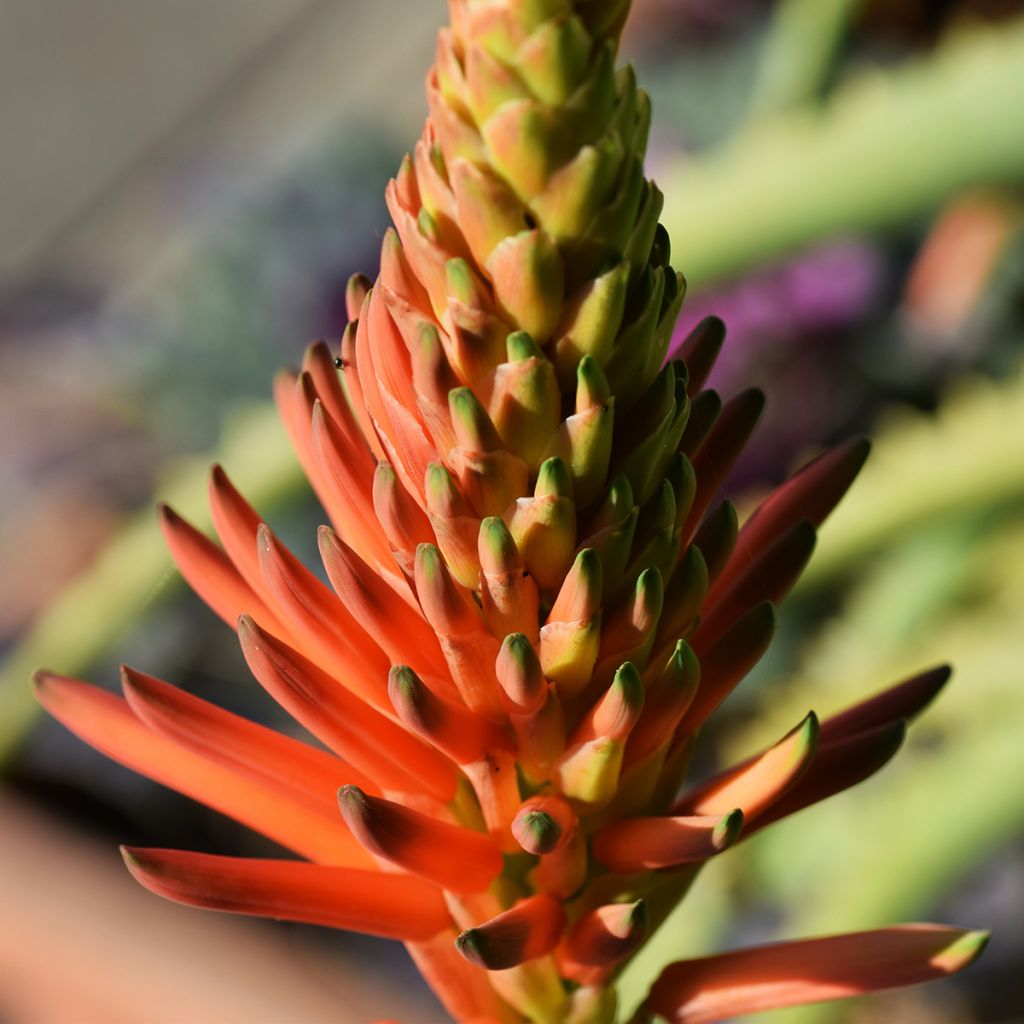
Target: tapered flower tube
537,596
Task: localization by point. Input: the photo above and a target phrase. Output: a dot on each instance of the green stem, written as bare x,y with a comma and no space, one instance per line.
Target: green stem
798,53
887,148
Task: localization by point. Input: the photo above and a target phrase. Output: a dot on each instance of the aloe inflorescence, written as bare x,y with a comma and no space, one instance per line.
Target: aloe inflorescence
535,602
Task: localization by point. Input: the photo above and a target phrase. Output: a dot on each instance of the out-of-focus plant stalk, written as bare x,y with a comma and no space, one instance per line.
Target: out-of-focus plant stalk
885,149
798,53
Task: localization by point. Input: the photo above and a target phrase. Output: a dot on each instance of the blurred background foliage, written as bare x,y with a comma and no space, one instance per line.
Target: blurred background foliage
844,186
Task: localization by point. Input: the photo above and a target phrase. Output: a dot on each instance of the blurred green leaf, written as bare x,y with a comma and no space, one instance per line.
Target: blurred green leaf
886,149
134,568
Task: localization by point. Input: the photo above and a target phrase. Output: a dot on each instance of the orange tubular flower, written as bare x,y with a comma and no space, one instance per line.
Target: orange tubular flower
534,604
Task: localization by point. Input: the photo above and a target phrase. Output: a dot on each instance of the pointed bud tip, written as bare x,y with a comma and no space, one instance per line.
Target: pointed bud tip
727,831
962,951
536,831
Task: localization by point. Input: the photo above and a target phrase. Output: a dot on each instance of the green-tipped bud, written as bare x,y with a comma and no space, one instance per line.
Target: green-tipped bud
464,285
669,695
519,674
455,526
657,538
683,597
679,473
356,290
526,402
508,594
575,193
631,354
618,711
491,477
526,143
584,440
570,639
490,83
641,241
588,774
444,607
487,209
554,59
474,430
590,322
536,831
704,411
592,390
580,595
630,630
553,480
727,831
544,527
717,537
529,281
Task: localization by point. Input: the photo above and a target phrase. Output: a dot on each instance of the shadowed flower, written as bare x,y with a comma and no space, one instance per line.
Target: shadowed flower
535,603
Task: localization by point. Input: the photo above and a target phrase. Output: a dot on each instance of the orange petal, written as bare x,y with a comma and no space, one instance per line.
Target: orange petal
452,728
451,856
391,906
350,486
600,940
759,782
839,764
304,772
321,623
647,844
236,523
210,573
904,701
464,990
527,930
318,362
400,631
469,649
809,971
354,730
107,723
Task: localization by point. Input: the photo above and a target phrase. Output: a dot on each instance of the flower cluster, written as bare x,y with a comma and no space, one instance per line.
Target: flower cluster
535,602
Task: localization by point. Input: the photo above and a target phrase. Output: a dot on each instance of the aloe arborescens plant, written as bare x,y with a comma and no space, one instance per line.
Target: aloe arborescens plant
534,603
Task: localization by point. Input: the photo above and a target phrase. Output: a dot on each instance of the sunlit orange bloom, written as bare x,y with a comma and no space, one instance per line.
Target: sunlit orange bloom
536,596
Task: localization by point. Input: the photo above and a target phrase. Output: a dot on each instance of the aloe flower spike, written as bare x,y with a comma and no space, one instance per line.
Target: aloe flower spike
536,596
